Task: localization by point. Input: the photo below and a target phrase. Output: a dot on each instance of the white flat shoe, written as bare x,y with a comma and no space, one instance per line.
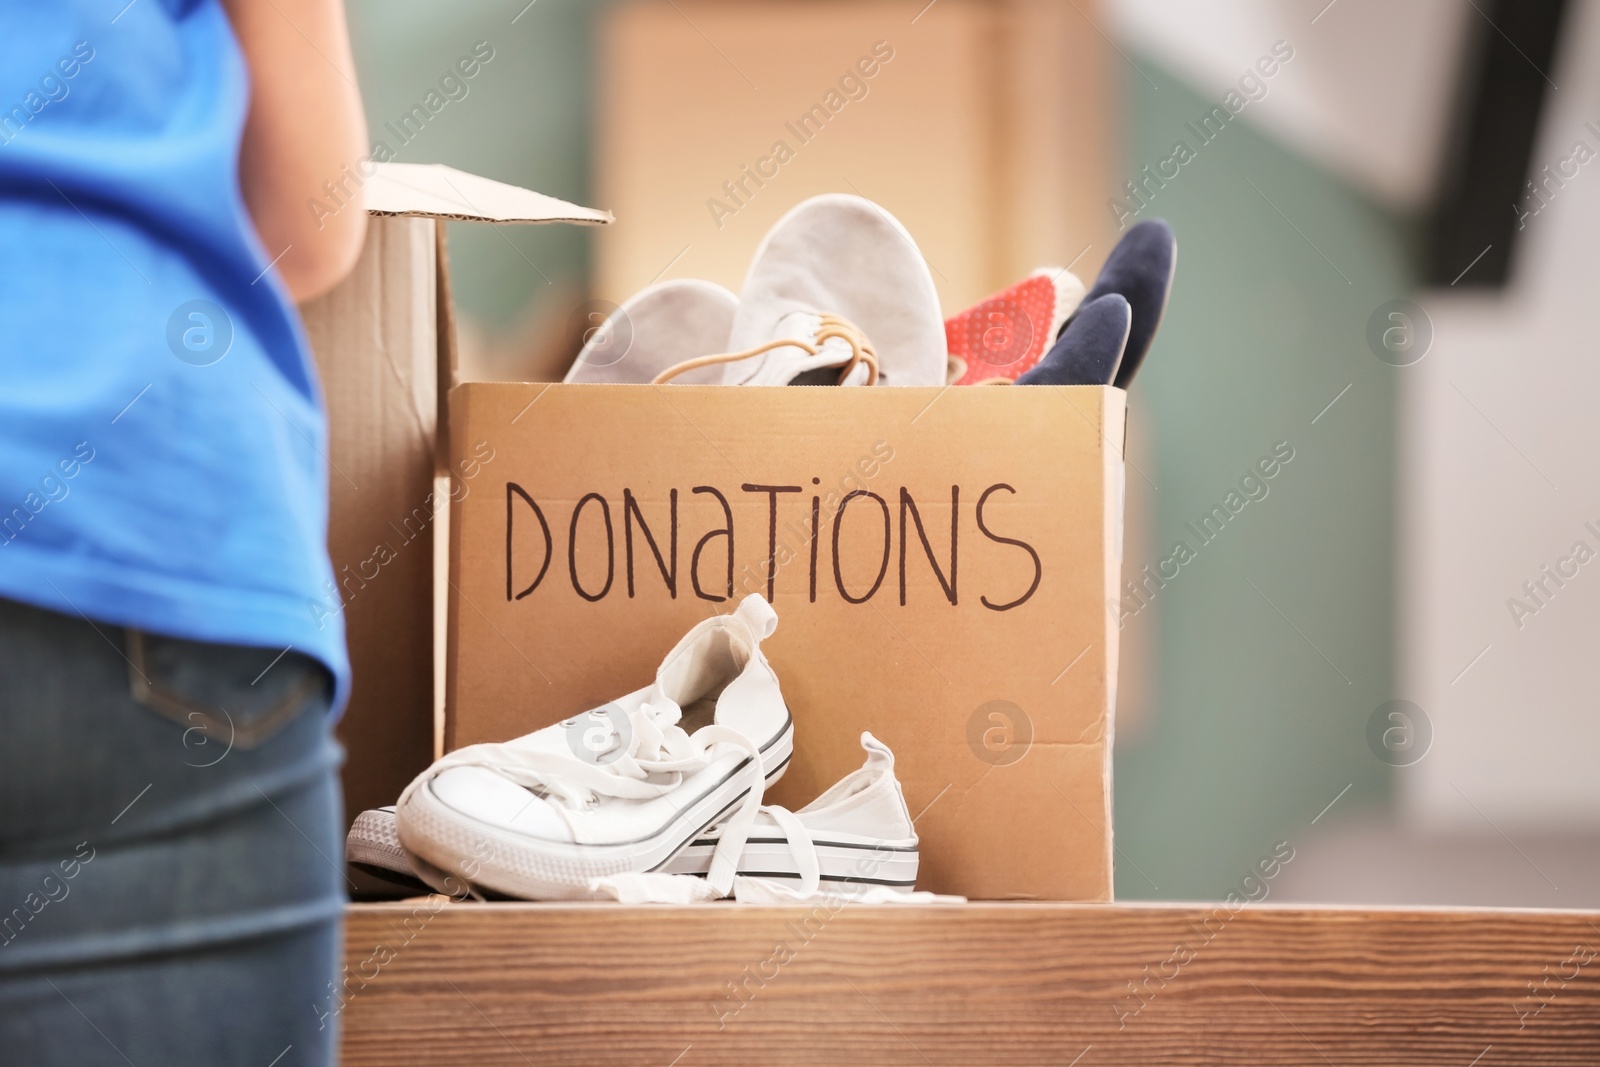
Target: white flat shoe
619,789
656,328
834,275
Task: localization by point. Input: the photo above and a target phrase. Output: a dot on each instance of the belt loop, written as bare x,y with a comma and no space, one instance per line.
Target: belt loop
138,681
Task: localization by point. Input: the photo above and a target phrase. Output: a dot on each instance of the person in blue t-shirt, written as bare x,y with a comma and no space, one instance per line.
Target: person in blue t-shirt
170,877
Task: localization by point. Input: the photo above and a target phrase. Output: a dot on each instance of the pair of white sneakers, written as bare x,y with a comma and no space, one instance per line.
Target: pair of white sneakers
655,796
837,293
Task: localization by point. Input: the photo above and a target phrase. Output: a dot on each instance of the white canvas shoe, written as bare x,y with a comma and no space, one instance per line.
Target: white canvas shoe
373,842
373,845
618,789
855,835
836,275
659,326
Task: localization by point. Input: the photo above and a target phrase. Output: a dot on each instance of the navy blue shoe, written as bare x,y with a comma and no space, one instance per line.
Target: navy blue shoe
1140,269
1090,348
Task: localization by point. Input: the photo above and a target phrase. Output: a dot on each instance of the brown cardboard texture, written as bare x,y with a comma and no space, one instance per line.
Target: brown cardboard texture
384,345
941,561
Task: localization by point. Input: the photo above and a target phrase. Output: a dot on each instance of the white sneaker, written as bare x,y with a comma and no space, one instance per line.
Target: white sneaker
618,789
658,327
855,835
375,845
835,276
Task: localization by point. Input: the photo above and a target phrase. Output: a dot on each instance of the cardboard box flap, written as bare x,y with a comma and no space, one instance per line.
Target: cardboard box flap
441,192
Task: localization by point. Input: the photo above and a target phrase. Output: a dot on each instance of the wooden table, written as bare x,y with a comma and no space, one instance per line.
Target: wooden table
1061,984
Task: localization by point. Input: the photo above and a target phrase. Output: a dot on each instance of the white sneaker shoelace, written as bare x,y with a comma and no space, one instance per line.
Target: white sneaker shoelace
654,887
658,888
656,748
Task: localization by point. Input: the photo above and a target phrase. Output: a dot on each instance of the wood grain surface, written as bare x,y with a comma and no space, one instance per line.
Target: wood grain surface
1062,984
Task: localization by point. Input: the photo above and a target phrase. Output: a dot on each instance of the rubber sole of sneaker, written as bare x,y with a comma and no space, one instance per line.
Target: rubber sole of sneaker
374,847
846,861
533,869
372,841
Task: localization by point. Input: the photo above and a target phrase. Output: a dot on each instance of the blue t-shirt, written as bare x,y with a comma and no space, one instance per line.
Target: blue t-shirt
162,439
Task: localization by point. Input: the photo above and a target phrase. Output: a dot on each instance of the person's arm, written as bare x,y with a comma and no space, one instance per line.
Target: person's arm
305,124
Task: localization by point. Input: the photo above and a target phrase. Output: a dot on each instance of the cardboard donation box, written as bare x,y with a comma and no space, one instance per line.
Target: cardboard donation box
384,345
941,562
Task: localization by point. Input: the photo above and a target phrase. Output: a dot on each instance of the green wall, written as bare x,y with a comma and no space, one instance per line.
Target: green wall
525,120
1254,731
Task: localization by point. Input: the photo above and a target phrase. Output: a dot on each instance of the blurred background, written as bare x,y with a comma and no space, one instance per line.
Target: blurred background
1387,218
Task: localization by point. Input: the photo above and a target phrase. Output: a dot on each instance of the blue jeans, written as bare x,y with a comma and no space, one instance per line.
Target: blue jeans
171,859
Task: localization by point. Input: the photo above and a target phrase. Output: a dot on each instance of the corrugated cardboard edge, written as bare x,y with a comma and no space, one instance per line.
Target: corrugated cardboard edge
440,192
449,352
457,402
1114,427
